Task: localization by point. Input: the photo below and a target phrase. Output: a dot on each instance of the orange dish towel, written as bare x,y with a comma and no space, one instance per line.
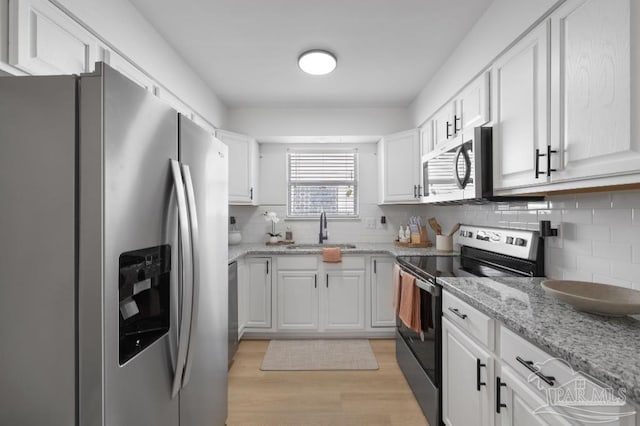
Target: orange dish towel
331,255
396,288
410,303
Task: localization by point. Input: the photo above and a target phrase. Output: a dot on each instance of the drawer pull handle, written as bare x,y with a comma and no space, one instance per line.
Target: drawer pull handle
457,312
550,380
499,404
479,383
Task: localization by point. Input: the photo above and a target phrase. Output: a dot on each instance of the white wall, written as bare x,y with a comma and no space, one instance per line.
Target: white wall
499,26
273,197
265,123
599,234
120,23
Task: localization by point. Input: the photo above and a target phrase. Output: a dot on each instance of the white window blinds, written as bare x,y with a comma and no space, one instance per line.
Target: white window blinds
322,181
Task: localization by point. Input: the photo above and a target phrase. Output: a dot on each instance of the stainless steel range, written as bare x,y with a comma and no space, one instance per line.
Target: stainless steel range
484,252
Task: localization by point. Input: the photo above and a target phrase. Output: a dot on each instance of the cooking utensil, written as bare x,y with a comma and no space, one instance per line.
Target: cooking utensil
454,229
435,226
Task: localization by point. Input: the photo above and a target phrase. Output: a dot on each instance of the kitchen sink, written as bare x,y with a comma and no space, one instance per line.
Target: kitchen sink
318,246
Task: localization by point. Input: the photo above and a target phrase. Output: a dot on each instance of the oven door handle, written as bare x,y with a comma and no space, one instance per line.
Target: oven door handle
428,287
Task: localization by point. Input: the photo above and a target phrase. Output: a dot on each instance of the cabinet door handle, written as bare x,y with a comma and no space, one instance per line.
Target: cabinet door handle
415,188
251,195
456,119
458,313
327,280
549,152
375,266
499,404
550,380
548,155
449,125
267,263
479,366
315,280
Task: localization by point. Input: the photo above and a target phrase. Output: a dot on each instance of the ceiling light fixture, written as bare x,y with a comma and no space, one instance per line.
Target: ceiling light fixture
317,62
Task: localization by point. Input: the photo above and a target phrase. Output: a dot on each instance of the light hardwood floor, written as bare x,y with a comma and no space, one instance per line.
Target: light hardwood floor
374,397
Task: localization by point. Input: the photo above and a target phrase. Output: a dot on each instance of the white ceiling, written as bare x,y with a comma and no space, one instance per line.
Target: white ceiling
246,50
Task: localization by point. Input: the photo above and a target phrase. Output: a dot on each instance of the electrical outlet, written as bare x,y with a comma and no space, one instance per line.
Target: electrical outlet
369,223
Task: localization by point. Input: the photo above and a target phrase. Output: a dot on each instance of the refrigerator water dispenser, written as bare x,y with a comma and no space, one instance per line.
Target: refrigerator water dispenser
144,280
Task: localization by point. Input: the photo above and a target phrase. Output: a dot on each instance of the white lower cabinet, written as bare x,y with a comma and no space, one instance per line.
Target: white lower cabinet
382,314
467,370
517,384
243,296
519,405
297,300
259,292
353,297
344,300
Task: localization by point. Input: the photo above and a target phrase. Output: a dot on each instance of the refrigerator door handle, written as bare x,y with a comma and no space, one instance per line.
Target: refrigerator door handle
195,247
186,277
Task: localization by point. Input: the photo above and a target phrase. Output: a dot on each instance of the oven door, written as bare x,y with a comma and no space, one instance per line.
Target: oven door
419,354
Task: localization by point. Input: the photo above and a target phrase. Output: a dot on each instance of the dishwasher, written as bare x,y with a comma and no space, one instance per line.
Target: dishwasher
233,310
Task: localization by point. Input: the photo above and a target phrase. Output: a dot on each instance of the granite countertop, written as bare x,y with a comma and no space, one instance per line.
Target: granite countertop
605,348
237,251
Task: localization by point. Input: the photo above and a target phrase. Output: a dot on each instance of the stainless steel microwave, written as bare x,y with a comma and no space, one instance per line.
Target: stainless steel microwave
462,172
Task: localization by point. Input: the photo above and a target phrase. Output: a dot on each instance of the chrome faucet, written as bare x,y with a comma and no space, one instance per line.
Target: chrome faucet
324,235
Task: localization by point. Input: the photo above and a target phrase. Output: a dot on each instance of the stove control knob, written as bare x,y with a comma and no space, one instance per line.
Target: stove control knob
521,242
509,240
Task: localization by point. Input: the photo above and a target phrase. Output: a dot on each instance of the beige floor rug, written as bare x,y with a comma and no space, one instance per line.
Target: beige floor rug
299,355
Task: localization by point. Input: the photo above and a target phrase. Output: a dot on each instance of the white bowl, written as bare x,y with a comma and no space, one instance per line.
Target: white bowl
235,237
595,298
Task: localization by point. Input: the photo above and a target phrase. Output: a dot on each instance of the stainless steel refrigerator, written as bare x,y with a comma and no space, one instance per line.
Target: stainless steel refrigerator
113,257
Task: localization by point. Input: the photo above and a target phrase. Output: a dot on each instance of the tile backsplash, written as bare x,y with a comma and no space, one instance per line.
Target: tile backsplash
598,234
598,237
254,228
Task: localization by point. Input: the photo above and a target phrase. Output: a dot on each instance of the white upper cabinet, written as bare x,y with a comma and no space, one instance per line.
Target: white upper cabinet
472,105
243,170
469,109
520,111
128,69
426,138
43,40
399,168
591,90
442,123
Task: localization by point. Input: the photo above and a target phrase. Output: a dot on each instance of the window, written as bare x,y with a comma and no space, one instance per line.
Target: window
322,181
